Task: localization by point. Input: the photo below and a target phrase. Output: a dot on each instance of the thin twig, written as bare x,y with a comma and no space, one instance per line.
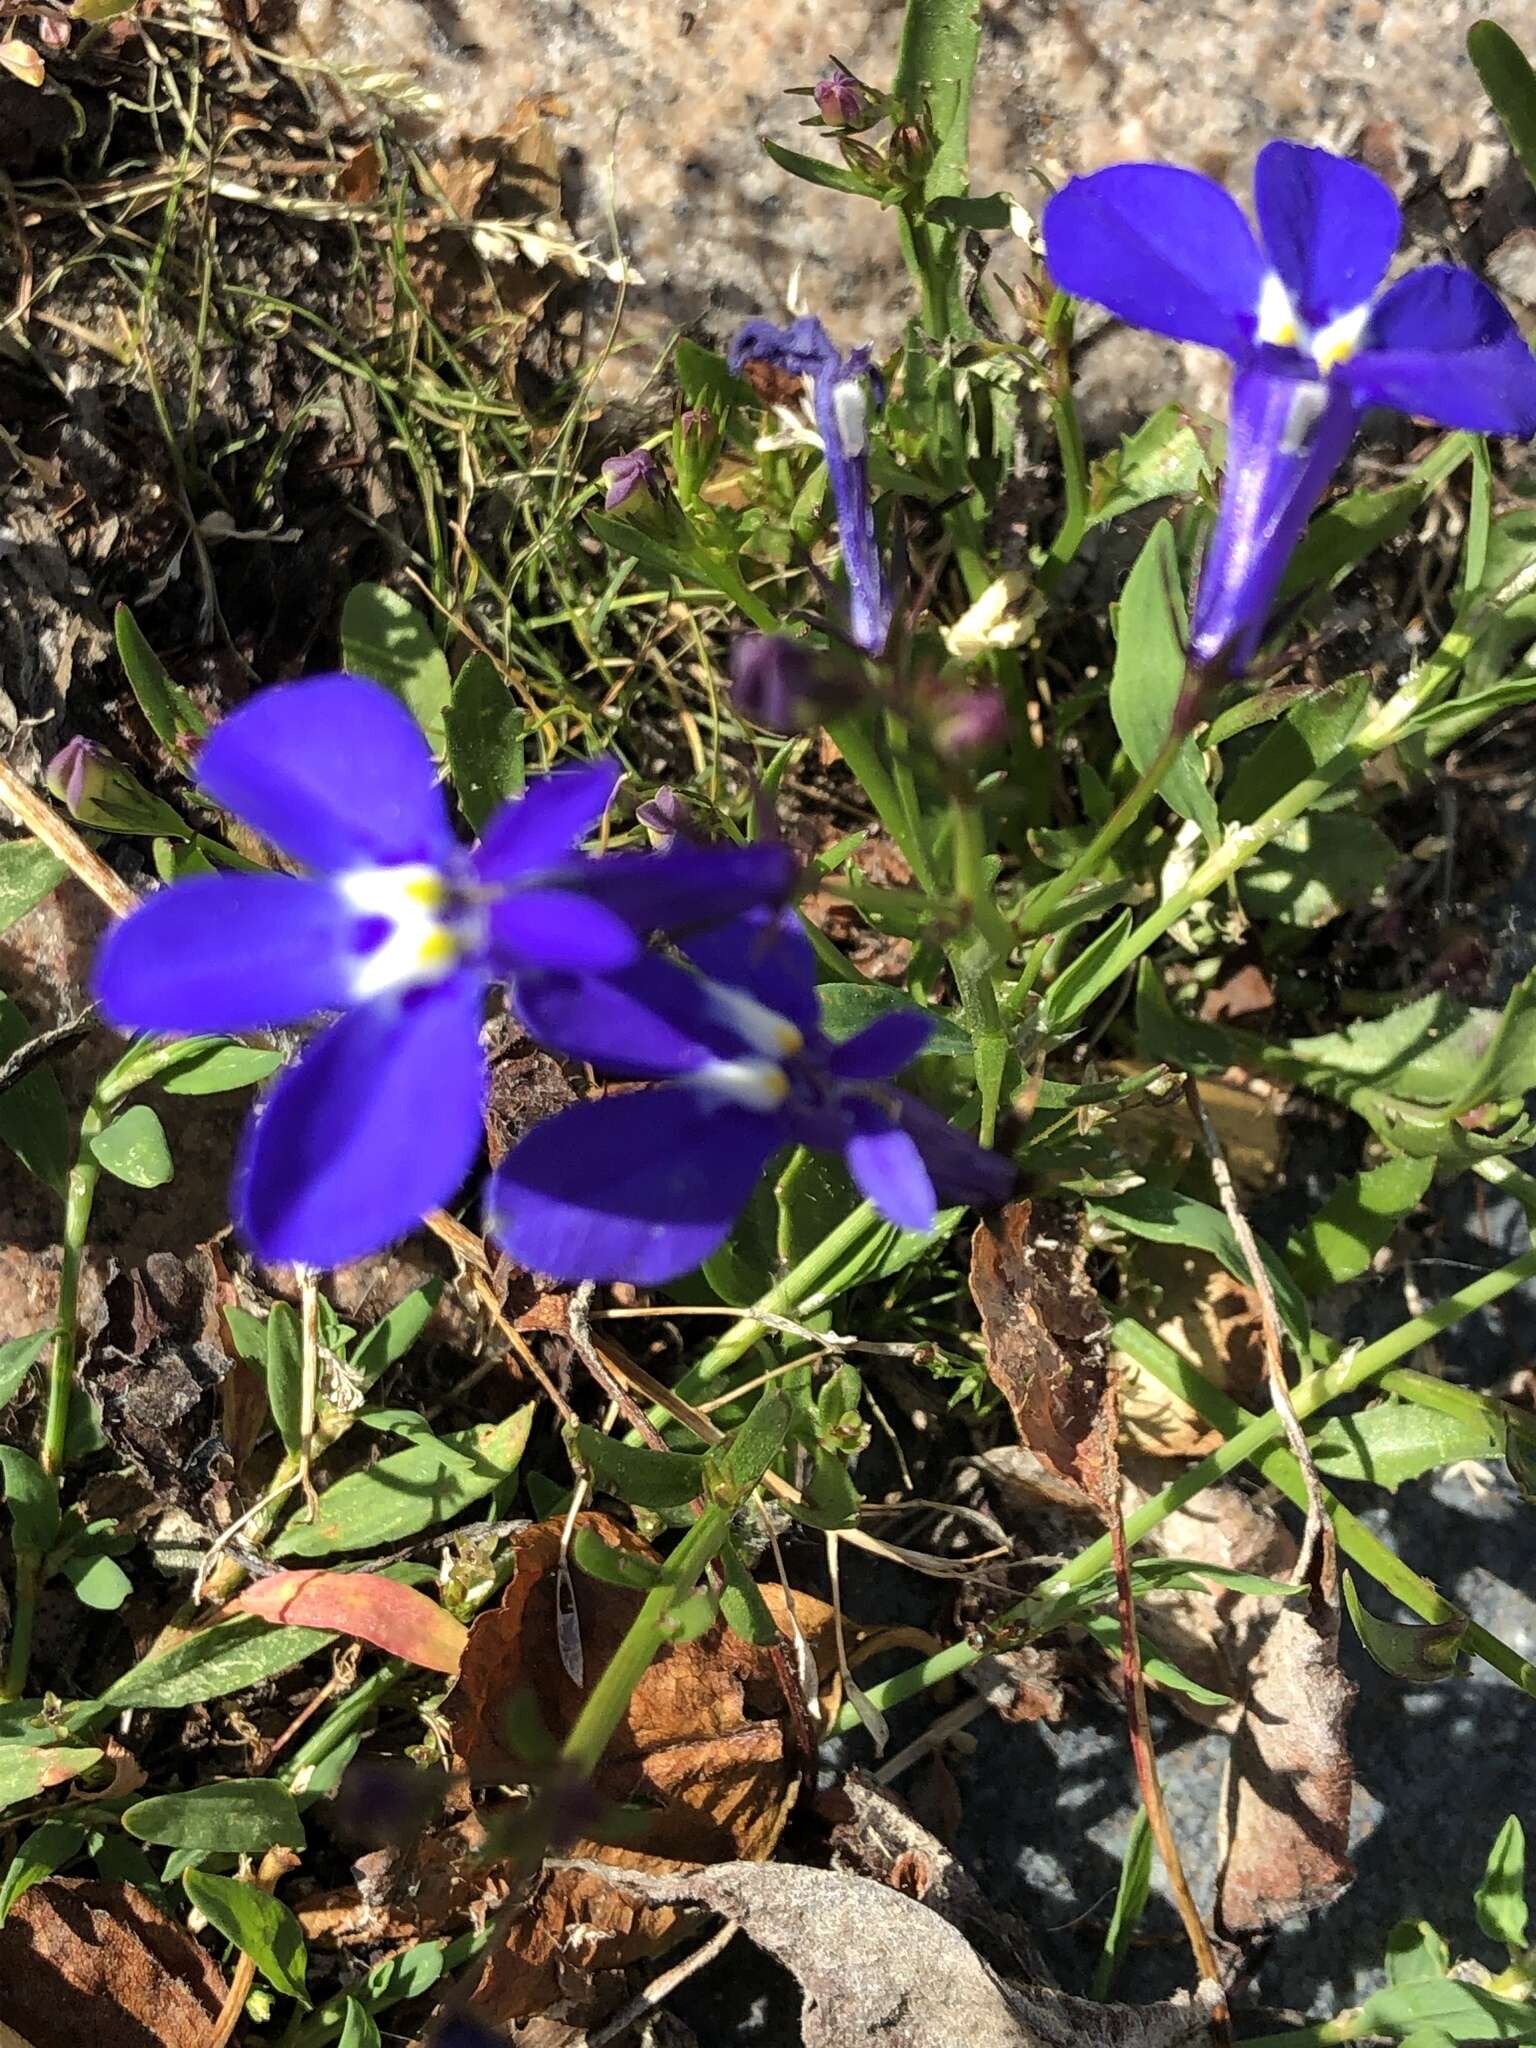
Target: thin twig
661,1988
1319,1528
309,1381
580,1327
1143,1754
39,1048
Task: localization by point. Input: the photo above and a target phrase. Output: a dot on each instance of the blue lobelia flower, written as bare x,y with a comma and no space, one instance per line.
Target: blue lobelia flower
840,393
643,1186
400,928
1314,341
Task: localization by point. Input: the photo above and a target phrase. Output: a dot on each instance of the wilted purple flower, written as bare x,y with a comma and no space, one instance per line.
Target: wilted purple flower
644,1186
665,816
839,100
626,474
968,722
840,388
774,681
400,928
1297,310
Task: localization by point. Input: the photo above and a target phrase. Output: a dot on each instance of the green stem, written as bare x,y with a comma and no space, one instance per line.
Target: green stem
1041,903
343,1718
608,1699
794,1295
1251,1442
78,1199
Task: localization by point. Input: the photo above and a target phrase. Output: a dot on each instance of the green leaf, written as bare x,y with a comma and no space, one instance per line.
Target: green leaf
1131,1897
1508,1068
1396,1441
1167,1217
1419,1653
170,712
1162,459
393,1335
230,1657
1316,869
1084,978
1105,1631
1415,1953
1354,1223
359,2029
940,40
644,1478
1421,1052
99,1582
385,637
260,1926
215,1066
831,1500
987,212
285,1373
31,1498
1312,732
28,872
1461,2011
1151,631
848,1006
611,1563
18,1355
755,1445
28,1768
1346,533
235,1816
835,177
409,1491
133,1148
1510,84
705,380
742,1607
45,1850
1501,1908
406,1975
34,1120
484,725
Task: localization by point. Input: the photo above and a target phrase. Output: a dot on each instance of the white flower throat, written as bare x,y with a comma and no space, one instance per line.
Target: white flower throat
1281,326
429,926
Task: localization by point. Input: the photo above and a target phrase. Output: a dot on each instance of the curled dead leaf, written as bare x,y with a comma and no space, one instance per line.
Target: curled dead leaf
706,1747
1213,1321
1047,1337
376,1609
82,1961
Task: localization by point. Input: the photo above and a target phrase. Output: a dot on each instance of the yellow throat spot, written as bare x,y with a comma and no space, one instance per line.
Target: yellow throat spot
421,944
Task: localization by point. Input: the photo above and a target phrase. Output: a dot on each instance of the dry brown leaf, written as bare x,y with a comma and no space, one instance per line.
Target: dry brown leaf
705,1747
1214,1323
1047,1337
82,1961
1245,993
1246,1111
1285,1815
880,1970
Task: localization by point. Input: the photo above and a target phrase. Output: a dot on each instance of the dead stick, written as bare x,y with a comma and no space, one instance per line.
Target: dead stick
1319,1528
37,816
1143,1754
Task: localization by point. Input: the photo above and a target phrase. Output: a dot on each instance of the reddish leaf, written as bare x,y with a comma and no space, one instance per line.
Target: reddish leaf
367,1605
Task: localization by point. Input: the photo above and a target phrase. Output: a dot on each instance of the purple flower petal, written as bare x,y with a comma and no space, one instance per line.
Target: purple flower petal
536,831
1442,346
686,886
882,1048
768,954
961,1170
888,1168
229,953
333,770
635,1187
559,929
1161,247
1329,227
378,1123
1287,435
650,1021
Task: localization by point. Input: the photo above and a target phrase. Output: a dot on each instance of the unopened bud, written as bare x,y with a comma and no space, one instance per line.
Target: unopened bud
910,150
839,100
781,684
627,474
96,789
666,817
968,722
695,444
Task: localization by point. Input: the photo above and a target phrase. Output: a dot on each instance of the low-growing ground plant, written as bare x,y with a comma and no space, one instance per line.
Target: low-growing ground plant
808,928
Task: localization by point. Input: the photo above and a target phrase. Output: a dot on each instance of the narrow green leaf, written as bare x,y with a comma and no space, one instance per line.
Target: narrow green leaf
134,1149
34,1120
834,177
1415,1953
1354,1223
393,1335
1510,84
1501,1908
1135,1888
643,1478
1464,2012
742,1607
484,725
1418,1653
171,714
385,637
219,1065
359,2029
1085,977
31,1499
411,1490
259,1925
285,1373
230,1657
755,1445
611,1563
45,1850
1508,1068
831,1500
1396,1441
1151,630
27,1768
1306,739
235,1816
1167,1217
18,1355
99,1582
28,872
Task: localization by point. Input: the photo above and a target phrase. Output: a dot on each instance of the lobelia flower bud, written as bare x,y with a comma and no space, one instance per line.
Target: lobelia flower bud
695,444
96,789
628,474
968,722
839,100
